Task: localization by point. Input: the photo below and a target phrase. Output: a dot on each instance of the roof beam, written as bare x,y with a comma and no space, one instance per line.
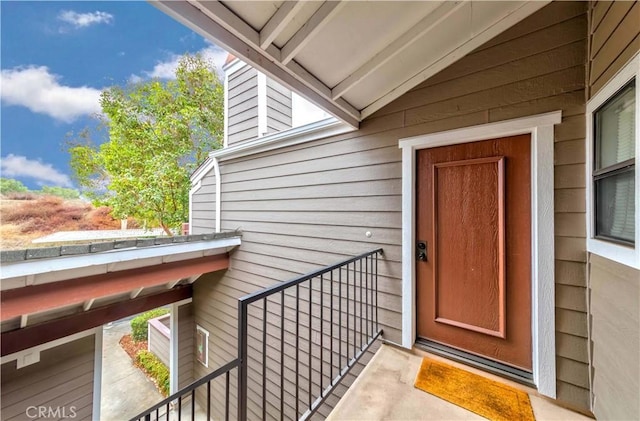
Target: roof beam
28,337
231,23
319,19
225,17
135,293
87,304
278,22
38,298
244,45
517,12
396,47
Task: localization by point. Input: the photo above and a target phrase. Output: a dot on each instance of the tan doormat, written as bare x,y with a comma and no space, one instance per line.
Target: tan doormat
490,399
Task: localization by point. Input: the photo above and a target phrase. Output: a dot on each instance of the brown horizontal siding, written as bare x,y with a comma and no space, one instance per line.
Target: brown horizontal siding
186,346
63,378
203,206
615,309
244,100
312,204
242,106
615,38
159,345
242,73
614,293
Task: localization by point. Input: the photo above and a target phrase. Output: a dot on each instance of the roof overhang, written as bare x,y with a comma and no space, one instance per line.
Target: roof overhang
37,290
350,58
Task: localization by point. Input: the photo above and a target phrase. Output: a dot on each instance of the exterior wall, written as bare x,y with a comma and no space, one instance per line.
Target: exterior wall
159,339
615,288
311,205
203,206
278,107
62,379
615,38
243,105
186,328
615,312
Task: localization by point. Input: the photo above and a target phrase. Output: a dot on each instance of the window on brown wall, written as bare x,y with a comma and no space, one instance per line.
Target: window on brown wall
613,183
614,167
202,346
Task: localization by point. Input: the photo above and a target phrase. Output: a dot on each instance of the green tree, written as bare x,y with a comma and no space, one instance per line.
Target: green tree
60,192
158,132
9,185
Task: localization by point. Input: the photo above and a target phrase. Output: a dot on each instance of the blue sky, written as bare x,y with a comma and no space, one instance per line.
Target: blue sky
56,57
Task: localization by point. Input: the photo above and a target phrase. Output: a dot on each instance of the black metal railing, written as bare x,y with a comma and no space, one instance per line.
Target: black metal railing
328,316
333,317
173,407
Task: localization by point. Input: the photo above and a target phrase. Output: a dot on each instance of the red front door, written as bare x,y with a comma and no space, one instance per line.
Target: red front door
474,216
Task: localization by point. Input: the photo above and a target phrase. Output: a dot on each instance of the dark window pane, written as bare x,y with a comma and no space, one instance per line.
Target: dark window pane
615,206
615,128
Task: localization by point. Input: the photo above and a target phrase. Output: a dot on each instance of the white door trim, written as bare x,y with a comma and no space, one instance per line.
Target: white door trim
542,231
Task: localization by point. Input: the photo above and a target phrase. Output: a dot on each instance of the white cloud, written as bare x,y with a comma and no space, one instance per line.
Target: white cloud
20,166
82,20
40,91
167,69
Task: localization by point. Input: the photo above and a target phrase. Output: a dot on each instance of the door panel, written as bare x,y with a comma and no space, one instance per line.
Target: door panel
474,212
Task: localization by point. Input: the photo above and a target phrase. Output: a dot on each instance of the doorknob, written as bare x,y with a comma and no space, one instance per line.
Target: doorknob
421,251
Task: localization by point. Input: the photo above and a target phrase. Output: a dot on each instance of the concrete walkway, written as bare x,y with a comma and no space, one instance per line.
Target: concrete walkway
126,390
384,391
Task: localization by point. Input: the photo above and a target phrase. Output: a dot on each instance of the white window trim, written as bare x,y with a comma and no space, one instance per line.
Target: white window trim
262,104
540,127
206,351
625,255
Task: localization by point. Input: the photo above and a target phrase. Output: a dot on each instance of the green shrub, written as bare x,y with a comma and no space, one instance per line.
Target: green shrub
155,368
139,324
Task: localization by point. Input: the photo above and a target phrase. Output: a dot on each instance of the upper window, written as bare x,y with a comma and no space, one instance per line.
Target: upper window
613,153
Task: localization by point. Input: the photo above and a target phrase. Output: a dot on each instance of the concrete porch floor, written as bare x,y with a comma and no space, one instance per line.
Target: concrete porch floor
384,391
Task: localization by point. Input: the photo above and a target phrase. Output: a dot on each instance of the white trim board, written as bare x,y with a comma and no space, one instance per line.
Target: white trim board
295,136
540,127
262,104
97,373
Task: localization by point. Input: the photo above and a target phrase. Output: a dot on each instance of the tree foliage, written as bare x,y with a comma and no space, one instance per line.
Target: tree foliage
158,132
9,185
62,192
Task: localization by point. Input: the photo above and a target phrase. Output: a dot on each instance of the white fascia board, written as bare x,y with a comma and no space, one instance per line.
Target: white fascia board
201,171
262,104
194,188
39,266
307,133
216,171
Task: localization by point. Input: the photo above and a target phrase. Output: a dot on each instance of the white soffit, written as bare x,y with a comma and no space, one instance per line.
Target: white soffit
350,58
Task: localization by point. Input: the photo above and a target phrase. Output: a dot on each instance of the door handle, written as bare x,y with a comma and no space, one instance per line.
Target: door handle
421,250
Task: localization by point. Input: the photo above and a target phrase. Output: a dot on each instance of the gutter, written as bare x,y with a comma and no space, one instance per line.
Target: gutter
309,132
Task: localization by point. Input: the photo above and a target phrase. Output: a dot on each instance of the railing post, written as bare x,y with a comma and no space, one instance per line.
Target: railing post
243,356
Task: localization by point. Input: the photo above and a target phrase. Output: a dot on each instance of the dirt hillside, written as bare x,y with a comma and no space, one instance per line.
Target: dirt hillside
27,218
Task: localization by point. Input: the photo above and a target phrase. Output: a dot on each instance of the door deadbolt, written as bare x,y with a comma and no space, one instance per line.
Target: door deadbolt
421,250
